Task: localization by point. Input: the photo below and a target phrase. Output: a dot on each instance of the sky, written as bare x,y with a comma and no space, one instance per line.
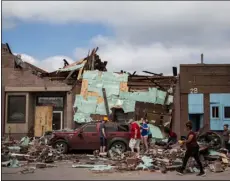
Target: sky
131,35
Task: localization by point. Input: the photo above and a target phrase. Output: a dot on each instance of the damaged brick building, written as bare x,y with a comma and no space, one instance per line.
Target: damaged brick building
49,96
24,90
203,96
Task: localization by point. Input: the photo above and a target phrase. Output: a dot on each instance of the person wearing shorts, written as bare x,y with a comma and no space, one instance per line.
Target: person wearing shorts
103,139
144,133
135,137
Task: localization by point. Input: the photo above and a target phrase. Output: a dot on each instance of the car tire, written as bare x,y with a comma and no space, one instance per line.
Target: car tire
61,147
120,145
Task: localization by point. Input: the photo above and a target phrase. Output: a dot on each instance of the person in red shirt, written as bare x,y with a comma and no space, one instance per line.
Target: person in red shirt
135,137
192,150
172,137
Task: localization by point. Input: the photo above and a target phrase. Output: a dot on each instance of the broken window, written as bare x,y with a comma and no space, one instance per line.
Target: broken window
215,112
16,112
90,128
227,112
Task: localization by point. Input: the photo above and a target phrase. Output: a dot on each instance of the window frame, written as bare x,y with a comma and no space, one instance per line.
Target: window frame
215,106
8,109
228,118
88,126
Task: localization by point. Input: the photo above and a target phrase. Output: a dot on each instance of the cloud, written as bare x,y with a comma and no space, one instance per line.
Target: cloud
48,64
148,35
154,57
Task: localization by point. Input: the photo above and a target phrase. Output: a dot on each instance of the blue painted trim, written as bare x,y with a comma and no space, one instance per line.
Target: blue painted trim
227,119
215,105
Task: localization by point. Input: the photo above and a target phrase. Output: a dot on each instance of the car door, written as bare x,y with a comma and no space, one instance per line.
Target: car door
91,136
77,140
111,130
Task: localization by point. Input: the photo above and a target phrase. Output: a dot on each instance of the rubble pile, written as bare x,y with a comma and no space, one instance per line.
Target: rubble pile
36,154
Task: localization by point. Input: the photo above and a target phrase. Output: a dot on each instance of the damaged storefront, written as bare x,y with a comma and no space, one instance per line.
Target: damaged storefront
117,96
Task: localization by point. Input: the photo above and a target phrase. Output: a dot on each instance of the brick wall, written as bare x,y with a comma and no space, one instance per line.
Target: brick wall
15,77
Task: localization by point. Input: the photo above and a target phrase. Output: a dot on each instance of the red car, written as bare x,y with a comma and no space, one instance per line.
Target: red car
87,137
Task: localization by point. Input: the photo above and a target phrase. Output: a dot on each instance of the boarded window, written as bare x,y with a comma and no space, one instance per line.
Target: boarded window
215,112
227,112
16,109
90,128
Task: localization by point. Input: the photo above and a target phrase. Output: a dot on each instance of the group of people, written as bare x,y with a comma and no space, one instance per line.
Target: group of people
141,133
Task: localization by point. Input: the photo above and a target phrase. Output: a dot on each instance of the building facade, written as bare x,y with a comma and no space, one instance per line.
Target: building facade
203,97
24,91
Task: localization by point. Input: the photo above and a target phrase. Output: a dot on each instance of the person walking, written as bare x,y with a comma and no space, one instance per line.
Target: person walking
102,133
192,150
135,137
144,134
226,137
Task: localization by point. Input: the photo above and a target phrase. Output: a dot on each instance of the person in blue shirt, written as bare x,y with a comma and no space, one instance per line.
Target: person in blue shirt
144,133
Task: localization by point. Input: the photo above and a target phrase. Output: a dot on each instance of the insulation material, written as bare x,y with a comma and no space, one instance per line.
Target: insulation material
128,106
117,94
89,105
90,74
78,101
161,95
112,88
152,95
82,117
101,109
114,77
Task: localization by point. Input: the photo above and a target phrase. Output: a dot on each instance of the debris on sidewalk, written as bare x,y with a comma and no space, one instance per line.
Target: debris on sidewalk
36,154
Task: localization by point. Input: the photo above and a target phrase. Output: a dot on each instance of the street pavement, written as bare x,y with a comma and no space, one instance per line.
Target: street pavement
64,171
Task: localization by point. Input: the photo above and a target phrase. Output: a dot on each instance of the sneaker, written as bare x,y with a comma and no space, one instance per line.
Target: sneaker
202,174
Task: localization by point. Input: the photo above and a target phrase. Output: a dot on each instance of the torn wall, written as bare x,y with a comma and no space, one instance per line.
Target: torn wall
90,101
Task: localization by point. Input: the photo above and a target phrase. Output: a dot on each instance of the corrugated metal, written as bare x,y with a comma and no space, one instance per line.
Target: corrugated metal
196,103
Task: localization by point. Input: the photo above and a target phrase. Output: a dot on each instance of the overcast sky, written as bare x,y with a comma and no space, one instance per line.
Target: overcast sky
132,36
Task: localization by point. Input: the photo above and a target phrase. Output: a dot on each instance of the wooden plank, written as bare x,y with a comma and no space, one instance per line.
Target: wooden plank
124,87
100,100
105,101
84,88
92,94
43,120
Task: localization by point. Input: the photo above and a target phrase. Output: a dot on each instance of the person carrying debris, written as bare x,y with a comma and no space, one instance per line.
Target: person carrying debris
103,139
192,150
172,137
226,137
144,133
135,136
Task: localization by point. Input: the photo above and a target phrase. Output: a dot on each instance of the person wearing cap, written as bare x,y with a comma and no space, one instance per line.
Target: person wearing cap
103,139
135,136
192,150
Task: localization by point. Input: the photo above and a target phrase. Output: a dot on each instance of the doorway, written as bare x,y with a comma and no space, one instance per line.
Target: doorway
197,121
57,120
